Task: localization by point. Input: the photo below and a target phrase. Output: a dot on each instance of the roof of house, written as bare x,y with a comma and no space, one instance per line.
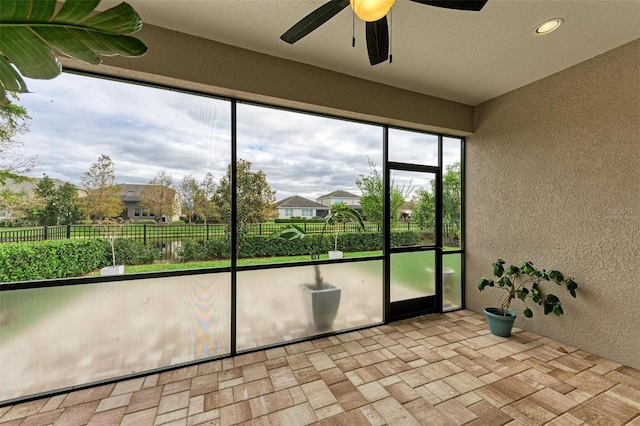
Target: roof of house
296,201
132,192
339,194
28,186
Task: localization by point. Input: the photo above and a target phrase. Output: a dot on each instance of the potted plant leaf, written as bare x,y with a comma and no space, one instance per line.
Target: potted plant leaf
34,32
321,299
522,283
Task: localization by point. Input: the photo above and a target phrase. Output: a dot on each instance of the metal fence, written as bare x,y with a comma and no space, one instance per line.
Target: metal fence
159,232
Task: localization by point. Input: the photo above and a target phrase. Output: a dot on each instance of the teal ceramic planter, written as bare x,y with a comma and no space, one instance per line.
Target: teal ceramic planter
499,324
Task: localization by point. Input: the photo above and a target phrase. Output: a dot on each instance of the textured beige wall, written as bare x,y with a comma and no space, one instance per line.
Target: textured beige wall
553,176
181,60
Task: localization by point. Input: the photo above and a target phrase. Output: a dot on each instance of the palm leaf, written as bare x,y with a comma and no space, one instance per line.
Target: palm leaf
33,35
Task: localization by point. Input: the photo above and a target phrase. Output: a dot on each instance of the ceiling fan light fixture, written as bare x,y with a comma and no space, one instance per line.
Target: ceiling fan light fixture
548,26
371,10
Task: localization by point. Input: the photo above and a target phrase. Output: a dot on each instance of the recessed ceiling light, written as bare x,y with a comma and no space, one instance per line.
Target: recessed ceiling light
548,26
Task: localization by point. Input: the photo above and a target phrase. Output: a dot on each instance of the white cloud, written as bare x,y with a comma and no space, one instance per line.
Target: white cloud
144,130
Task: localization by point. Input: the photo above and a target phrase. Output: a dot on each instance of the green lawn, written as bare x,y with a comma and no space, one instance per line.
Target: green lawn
406,274
158,267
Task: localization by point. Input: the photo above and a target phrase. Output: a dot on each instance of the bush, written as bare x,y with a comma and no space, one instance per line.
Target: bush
216,248
131,252
42,260
405,238
262,246
190,250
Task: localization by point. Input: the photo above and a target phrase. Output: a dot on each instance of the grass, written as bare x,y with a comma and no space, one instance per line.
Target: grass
412,269
159,267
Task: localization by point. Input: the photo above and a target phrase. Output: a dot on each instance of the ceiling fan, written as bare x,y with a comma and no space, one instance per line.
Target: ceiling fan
374,13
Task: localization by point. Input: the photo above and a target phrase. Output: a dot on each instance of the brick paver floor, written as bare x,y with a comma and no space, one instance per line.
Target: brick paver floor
432,370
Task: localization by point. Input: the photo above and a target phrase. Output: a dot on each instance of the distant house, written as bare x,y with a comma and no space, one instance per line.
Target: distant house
296,206
131,196
340,196
27,187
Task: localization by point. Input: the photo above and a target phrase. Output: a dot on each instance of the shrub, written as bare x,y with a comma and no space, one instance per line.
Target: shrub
192,250
405,238
131,252
42,260
260,246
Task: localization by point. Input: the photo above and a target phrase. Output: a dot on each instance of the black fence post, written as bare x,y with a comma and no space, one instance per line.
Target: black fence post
68,231
45,233
207,232
144,234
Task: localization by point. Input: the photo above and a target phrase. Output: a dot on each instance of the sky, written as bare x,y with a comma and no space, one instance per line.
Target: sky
76,119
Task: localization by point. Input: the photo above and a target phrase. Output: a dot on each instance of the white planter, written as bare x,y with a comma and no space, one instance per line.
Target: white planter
321,305
335,254
112,270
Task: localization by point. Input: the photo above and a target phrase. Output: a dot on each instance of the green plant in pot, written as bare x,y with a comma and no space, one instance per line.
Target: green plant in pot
522,283
321,299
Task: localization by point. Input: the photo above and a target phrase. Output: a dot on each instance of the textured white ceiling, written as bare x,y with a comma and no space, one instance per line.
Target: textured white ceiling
469,57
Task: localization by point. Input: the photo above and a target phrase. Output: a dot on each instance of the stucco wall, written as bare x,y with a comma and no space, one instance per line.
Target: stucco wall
553,176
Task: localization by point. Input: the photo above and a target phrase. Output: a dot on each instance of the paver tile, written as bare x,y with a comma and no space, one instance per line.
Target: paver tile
77,414
270,403
347,395
434,370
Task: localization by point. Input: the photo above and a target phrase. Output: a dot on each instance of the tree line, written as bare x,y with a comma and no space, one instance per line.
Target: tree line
422,201
99,198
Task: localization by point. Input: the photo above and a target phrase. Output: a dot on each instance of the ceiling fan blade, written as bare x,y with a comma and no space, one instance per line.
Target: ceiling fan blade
378,41
473,5
314,20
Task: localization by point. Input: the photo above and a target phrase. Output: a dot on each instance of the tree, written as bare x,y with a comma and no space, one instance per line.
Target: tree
188,189
451,204
102,199
158,197
14,121
67,204
255,198
18,204
205,206
424,214
372,190
46,190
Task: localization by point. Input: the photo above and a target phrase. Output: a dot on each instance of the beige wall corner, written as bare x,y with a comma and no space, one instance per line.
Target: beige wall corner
190,62
553,176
